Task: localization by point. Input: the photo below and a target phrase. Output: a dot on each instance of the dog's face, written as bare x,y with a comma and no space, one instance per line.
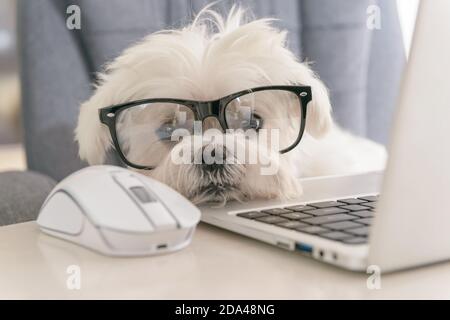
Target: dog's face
200,65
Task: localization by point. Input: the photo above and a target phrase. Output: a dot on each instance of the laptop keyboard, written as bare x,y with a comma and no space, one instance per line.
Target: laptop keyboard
346,220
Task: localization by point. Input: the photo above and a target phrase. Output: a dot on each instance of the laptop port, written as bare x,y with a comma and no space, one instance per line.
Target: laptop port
303,247
283,245
161,246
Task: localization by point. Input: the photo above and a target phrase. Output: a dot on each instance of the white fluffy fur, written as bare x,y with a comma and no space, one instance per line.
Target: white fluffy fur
211,58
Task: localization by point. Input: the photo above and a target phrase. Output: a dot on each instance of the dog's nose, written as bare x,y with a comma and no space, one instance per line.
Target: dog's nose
213,155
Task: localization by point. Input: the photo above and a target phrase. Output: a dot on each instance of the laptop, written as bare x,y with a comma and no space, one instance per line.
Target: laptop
396,219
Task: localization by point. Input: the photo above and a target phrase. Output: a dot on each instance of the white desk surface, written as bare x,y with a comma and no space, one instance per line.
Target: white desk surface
217,265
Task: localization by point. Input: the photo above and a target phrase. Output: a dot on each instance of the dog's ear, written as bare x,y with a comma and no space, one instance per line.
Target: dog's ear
92,136
318,117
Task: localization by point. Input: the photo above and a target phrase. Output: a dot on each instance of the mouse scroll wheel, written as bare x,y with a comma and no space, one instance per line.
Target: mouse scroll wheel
142,194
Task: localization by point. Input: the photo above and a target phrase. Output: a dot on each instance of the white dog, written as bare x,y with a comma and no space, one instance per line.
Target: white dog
211,58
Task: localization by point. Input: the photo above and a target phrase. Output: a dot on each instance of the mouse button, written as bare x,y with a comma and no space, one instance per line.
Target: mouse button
134,185
126,179
108,205
142,194
61,213
159,216
186,213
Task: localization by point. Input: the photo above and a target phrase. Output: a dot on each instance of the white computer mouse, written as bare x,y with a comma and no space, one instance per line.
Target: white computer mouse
118,212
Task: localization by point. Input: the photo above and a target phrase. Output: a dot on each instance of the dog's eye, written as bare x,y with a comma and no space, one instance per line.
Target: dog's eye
243,117
179,121
255,123
165,131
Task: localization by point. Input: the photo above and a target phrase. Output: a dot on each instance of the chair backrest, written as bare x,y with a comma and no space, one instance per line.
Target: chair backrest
360,66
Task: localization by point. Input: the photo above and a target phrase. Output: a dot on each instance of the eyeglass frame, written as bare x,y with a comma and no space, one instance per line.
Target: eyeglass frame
203,110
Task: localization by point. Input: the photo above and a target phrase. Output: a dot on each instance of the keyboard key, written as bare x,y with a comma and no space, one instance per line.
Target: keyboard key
276,211
363,214
356,240
364,231
312,229
352,201
366,221
272,219
325,211
336,235
328,218
326,204
369,198
354,207
296,215
371,204
292,224
342,225
252,215
300,208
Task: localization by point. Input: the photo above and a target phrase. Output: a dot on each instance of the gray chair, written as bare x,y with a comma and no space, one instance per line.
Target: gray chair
361,67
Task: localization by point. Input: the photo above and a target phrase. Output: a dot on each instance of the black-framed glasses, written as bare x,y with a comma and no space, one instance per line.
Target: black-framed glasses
139,129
